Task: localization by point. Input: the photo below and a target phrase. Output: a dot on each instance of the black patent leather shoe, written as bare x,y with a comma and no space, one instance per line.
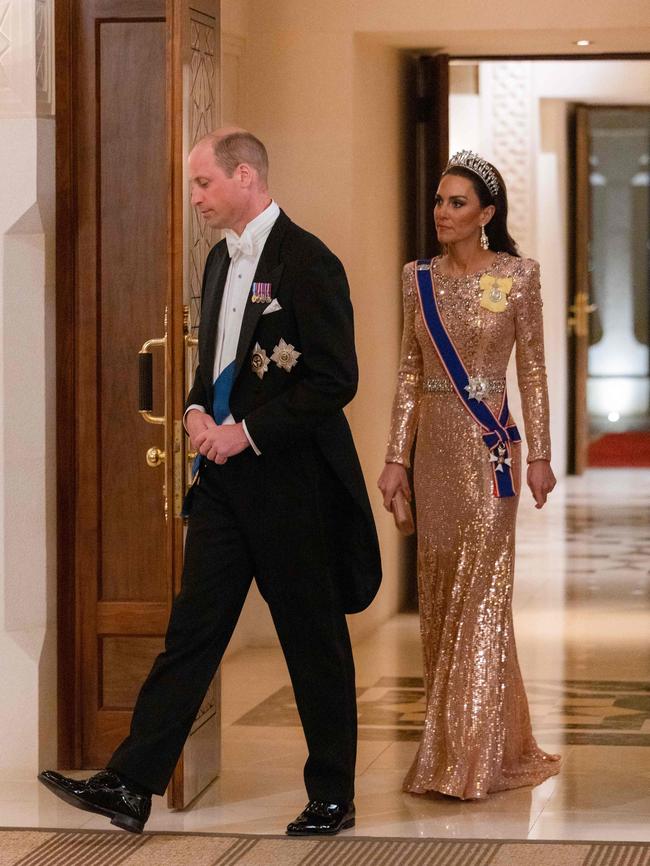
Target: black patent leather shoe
106,794
322,819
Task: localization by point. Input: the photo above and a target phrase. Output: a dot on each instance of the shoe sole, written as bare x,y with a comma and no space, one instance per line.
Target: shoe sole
344,826
131,825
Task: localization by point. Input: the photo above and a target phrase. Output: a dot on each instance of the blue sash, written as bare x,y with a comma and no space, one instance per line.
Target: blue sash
498,432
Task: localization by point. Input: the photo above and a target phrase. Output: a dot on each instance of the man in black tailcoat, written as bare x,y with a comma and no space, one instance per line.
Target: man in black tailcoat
278,496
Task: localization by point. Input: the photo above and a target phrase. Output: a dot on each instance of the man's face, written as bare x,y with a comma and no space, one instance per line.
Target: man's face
219,199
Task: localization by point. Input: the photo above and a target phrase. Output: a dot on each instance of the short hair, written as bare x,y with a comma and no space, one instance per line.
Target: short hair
237,147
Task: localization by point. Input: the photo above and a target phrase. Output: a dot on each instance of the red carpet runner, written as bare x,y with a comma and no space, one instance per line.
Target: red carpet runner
621,449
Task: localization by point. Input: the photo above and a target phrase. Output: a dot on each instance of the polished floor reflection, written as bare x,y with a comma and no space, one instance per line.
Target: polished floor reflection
582,617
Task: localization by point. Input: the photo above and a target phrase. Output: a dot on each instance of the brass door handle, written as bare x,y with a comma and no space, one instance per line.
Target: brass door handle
155,456
145,358
190,341
579,322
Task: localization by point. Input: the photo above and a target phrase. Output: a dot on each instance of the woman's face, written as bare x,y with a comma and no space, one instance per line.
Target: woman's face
457,211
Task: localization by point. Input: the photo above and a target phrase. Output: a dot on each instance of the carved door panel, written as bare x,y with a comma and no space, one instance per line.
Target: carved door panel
137,83
193,111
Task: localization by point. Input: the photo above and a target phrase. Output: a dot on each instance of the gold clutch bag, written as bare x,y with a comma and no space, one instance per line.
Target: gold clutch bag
402,514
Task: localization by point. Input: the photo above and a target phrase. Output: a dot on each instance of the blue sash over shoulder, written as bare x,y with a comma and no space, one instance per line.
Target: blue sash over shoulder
498,432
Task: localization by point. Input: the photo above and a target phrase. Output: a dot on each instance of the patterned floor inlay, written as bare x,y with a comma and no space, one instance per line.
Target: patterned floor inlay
585,713
95,848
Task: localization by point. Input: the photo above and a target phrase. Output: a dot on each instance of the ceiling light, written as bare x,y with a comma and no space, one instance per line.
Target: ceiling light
583,43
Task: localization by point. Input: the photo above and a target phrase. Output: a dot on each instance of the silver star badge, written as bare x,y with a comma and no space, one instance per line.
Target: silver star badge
477,388
500,458
259,361
285,356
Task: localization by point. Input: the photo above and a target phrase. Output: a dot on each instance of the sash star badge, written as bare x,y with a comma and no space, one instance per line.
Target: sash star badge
285,356
477,388
500,458
495,292
259,361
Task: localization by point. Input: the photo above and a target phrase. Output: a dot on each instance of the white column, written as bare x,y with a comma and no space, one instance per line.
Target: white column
509,133
27,390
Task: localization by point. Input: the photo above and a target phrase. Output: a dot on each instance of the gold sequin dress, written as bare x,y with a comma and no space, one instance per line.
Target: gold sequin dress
477,735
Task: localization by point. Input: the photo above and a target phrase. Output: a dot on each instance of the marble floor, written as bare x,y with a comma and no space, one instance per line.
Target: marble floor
582,617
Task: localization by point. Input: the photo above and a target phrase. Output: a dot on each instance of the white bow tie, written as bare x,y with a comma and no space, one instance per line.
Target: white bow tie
242,244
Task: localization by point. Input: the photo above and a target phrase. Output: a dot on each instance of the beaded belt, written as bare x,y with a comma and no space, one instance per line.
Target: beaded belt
444,386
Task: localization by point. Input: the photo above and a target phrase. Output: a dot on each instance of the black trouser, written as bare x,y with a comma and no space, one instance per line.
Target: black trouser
253,516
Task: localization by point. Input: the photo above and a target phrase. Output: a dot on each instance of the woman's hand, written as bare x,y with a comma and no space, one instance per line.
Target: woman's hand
540,480
392,479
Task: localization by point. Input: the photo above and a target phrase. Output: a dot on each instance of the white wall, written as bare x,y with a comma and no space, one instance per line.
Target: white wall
27,398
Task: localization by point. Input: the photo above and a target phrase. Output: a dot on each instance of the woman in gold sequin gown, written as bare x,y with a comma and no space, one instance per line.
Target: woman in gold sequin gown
477,736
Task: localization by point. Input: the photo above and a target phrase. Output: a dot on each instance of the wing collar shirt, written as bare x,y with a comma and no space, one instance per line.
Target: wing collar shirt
244,251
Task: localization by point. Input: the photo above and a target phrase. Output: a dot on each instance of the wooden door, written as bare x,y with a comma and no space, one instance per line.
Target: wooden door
429,143
124,82
579,290
428,153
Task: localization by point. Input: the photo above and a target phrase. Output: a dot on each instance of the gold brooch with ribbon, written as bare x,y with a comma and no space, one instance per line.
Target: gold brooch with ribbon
495,291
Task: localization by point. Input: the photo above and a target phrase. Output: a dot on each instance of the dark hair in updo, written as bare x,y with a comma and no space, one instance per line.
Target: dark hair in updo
497,229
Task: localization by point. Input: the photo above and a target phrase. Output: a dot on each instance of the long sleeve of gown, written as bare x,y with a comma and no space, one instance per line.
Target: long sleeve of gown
531,369
406,404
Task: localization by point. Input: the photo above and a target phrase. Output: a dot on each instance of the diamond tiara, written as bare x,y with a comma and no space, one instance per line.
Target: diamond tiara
478,166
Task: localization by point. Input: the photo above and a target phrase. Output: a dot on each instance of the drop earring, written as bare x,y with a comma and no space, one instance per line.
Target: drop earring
485,244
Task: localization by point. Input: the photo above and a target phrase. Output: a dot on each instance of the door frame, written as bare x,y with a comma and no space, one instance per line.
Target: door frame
580,275
578,285
69,743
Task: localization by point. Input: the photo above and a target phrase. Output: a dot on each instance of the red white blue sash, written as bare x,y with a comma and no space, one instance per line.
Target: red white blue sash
498,432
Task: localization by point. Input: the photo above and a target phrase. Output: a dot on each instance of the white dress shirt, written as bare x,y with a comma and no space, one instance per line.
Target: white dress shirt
245,251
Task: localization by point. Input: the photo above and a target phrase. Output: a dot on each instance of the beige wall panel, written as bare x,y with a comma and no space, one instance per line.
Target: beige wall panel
328,106
508,27
374,267
232,53
414,15
255,626
234,17
299,100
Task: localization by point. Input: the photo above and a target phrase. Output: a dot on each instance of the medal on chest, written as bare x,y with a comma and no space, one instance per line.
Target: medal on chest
259,361
494,292
261,293
285,356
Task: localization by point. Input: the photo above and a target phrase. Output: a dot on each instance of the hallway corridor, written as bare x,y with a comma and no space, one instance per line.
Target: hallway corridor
582,617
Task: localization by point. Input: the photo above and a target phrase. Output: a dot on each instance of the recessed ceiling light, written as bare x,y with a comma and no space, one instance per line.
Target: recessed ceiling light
583,43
